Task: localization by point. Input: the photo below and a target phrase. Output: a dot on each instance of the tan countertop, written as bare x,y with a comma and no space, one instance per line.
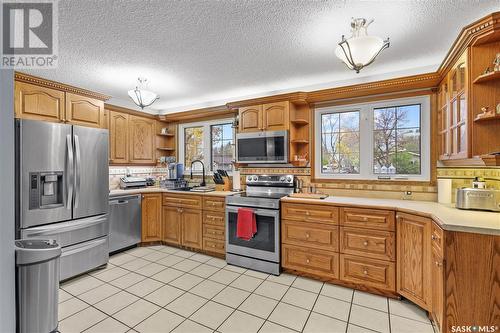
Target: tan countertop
154,189
449,217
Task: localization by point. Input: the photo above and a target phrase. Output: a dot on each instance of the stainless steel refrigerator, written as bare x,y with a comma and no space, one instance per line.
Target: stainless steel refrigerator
62,191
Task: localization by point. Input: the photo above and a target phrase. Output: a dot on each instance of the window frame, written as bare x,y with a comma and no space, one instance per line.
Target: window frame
206,141
366,141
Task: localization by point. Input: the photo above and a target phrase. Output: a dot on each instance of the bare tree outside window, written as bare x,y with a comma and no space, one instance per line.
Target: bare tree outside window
222,147
340,143
193,146
396,145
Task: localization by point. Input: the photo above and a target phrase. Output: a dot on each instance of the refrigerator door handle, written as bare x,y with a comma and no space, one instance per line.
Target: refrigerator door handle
77,170
69,172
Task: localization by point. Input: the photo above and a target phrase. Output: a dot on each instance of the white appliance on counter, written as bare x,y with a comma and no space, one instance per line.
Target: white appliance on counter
62,188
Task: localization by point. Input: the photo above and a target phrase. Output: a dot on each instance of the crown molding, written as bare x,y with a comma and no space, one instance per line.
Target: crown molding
295,97
413,82
23,77
219,111
116,108
481,31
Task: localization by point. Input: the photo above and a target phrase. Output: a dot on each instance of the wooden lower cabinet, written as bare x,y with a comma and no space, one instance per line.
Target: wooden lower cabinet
191,228
324,237
313,261
372,273
171,225
437,274
414,258
151,217
374,244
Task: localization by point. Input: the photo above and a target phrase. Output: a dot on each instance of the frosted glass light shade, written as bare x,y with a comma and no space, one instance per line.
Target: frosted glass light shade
142,98
363,50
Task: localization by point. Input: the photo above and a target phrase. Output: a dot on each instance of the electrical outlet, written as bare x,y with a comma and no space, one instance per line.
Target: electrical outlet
407,195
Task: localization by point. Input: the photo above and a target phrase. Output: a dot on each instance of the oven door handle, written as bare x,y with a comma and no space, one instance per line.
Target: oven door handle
263,212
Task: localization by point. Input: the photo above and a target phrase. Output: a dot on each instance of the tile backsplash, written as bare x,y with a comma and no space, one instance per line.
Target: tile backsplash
115,173
462,177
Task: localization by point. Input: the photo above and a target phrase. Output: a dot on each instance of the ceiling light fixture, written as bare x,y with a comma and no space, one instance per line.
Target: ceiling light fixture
360,50
142,97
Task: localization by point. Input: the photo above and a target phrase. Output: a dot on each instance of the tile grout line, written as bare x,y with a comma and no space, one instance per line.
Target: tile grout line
350,309
312,308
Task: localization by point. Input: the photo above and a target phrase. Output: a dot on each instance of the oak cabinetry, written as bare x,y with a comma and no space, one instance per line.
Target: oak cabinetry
182,200
264,117
214,227
437,299
171,225
414,258
118,137
142,143
367,218
38,103
84,111
303,259
310,213
151,217
191,228
368,243
368,272
320,236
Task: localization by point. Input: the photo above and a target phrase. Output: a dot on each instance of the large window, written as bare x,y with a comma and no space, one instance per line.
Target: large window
383,140
210,142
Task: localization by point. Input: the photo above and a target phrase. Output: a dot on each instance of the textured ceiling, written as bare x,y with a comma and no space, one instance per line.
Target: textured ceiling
201,53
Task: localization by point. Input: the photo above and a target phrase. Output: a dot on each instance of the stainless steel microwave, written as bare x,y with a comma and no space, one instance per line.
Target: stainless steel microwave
262,147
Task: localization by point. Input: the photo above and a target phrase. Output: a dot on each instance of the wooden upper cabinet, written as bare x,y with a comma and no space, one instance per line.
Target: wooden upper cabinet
118,137
141,140
151,217
414,259
250,119
276,116
265,117
192,230
84,111
38,103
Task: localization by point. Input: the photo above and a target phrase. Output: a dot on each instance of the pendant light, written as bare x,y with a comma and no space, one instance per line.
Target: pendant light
360,50
142,97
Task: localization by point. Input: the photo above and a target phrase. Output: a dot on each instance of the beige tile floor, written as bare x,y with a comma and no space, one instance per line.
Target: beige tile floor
165,289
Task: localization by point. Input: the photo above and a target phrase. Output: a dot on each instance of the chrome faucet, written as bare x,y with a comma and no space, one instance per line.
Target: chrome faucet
203,170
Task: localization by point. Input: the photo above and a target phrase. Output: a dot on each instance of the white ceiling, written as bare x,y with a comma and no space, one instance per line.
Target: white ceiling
201,53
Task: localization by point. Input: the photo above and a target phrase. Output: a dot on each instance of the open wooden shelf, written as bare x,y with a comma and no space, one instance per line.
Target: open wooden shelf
167,134
165,148
300,122
300,141
488,77
489,118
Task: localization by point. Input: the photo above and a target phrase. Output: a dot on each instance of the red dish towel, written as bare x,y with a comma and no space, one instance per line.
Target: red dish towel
246,225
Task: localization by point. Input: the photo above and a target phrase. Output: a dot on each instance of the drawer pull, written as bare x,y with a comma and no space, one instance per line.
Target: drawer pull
365,272
307,235
307,213
365,218
365,243
307,260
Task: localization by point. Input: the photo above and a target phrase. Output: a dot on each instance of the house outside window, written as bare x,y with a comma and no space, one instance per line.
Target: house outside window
387,140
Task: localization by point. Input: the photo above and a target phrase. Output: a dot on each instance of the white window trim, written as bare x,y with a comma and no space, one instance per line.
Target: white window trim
366,141
205,141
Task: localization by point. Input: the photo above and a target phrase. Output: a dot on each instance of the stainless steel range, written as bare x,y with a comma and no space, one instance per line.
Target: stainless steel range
263,194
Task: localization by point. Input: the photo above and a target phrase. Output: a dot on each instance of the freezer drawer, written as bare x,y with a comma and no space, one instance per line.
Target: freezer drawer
71,232
83,257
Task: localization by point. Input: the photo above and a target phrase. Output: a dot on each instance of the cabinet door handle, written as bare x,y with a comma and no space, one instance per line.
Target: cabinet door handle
439,264
307,260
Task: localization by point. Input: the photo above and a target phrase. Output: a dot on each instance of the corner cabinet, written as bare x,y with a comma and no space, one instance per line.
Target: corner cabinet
151,217
413,237
142,143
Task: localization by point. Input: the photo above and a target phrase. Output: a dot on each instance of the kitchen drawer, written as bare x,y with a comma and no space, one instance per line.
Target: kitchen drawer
437,237
182,200
369,243
214,245
319,236
213,231
216,204
215,218
313,261
367,218
368,272
310,213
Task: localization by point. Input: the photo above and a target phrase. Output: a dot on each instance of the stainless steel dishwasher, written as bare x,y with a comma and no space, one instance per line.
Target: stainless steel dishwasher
125,222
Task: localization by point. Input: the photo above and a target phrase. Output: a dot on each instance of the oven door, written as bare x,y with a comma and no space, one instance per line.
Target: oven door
264,245
262,147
